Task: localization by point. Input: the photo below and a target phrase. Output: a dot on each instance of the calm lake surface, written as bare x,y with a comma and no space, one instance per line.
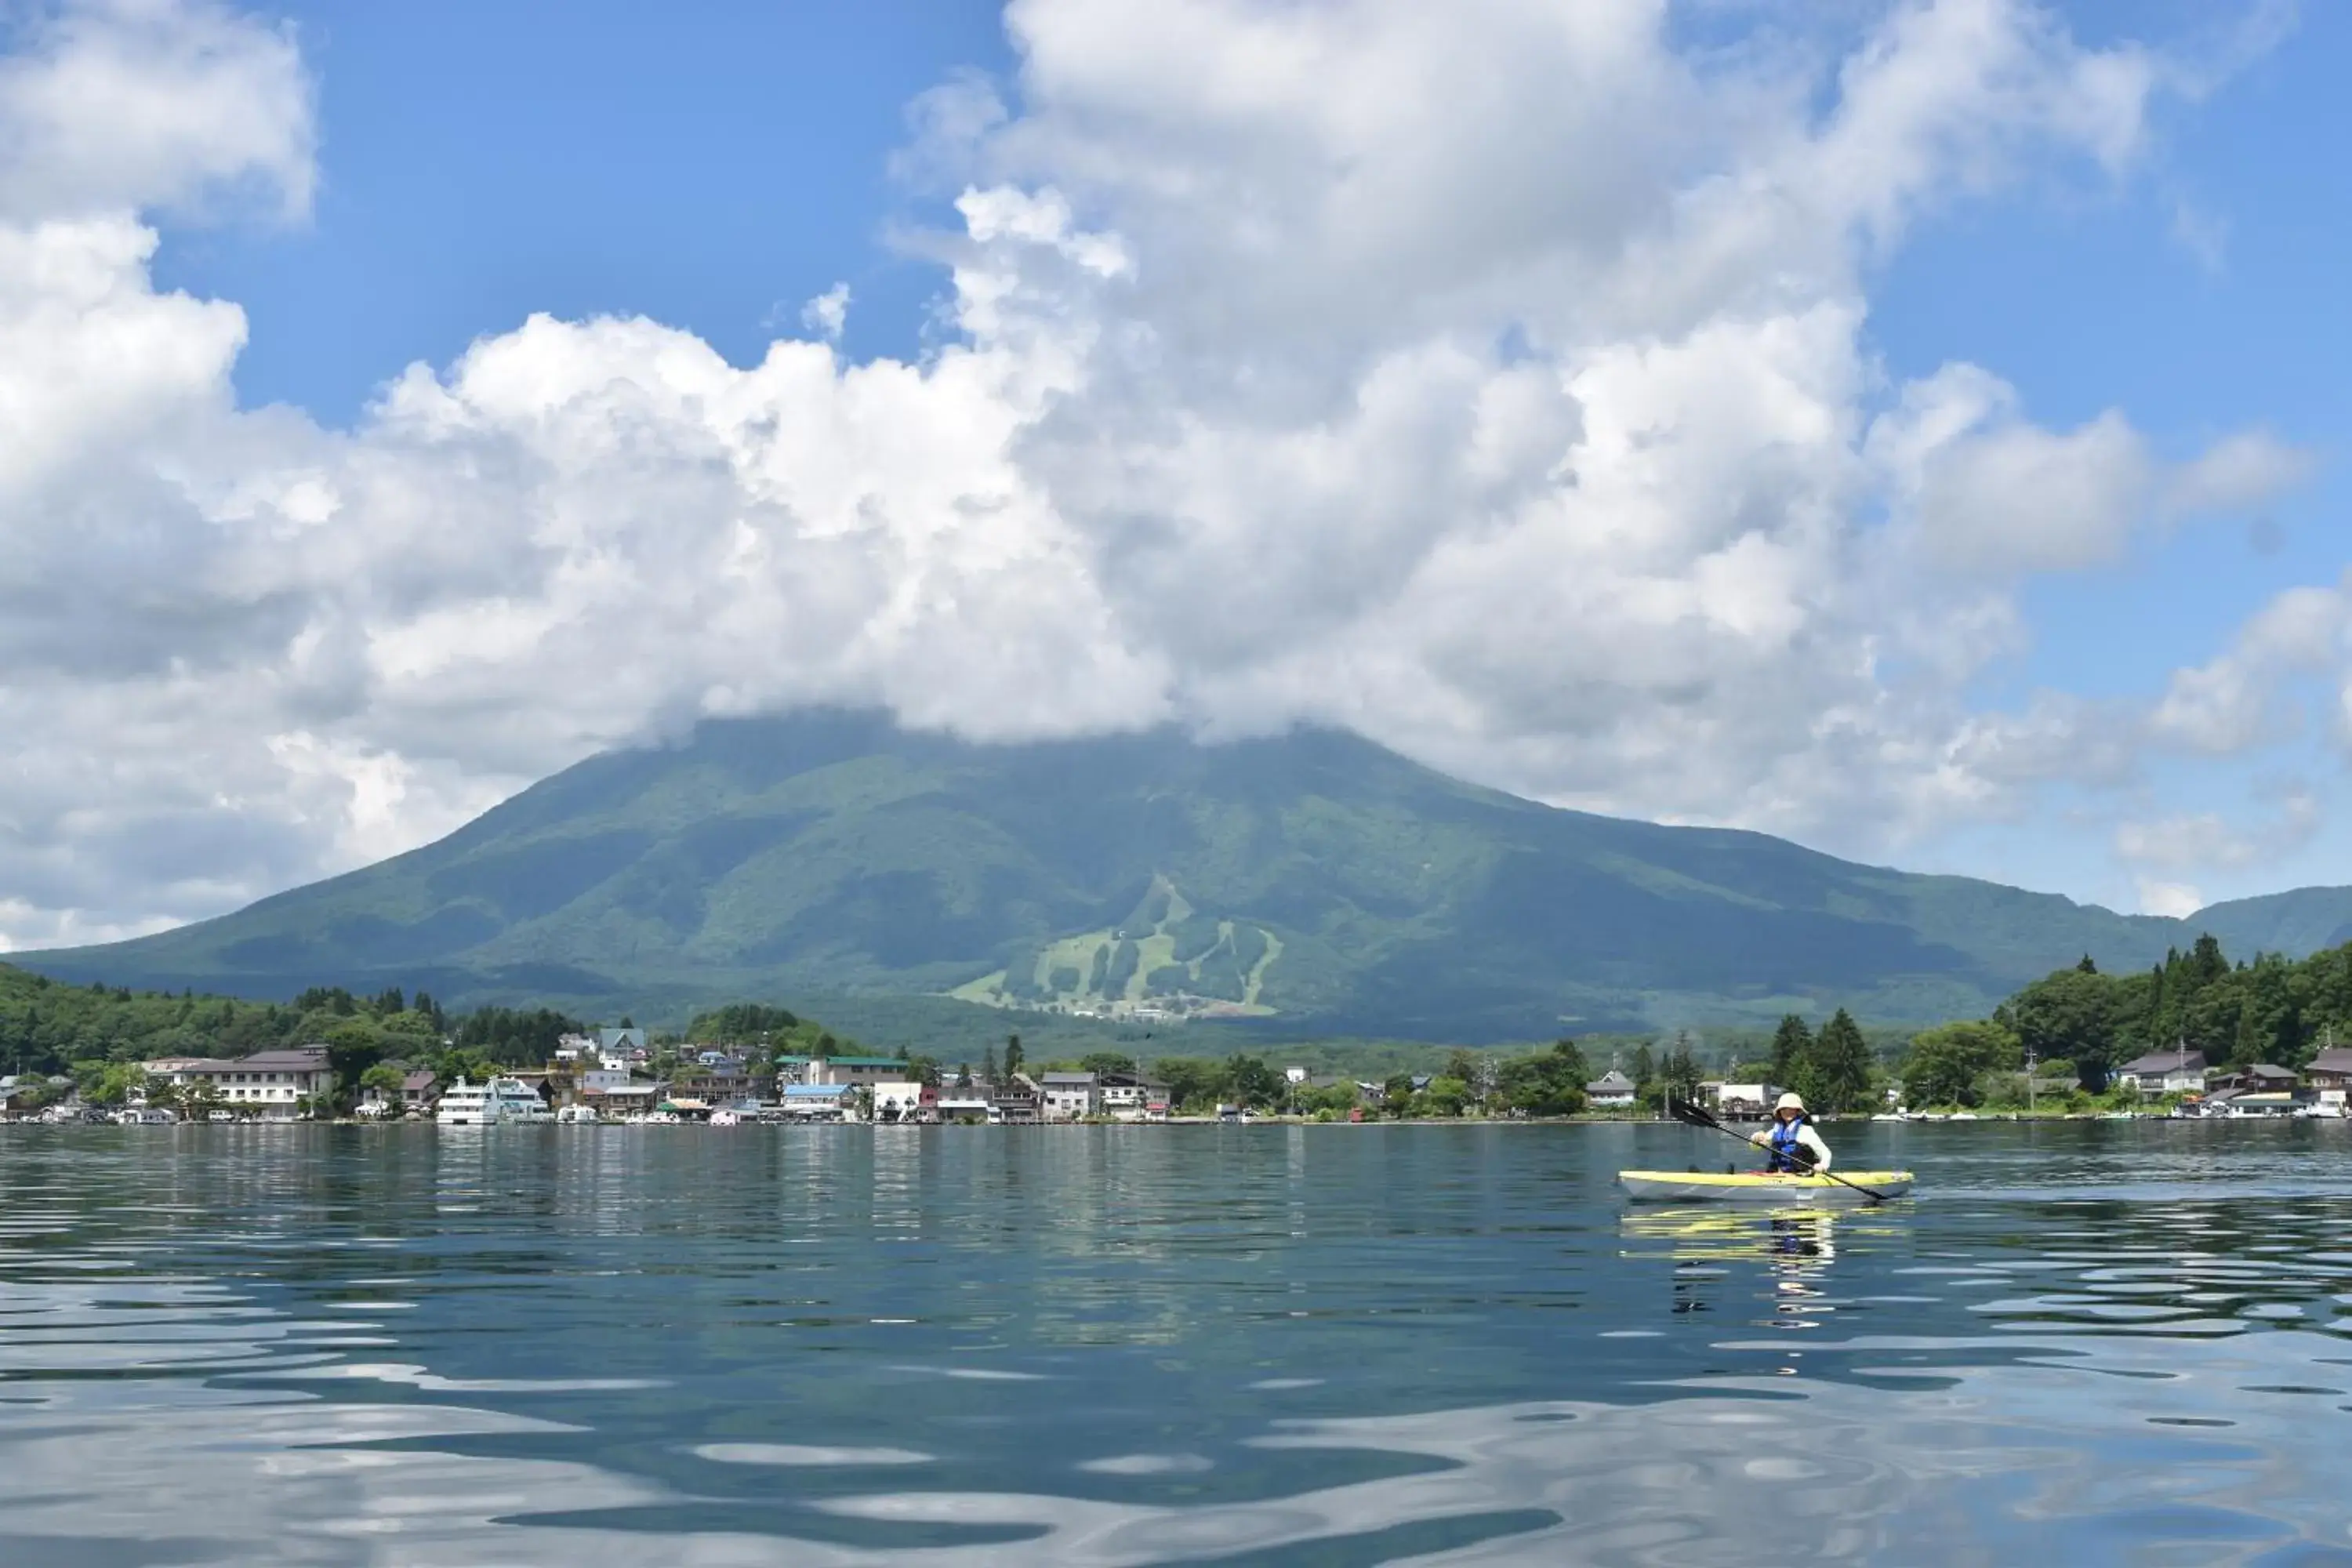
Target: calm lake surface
2085,1343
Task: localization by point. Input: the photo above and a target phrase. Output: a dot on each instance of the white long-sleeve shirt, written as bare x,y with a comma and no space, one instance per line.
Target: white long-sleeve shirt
1807,1140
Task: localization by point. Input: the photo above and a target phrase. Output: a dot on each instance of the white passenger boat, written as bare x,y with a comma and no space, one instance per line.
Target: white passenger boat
496,1103
578,1116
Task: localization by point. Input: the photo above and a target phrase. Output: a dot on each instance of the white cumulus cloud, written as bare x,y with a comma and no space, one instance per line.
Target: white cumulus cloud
1489,377
2236,701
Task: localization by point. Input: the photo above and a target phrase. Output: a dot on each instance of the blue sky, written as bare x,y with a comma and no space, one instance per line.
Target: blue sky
1209,424
709,170
2088,297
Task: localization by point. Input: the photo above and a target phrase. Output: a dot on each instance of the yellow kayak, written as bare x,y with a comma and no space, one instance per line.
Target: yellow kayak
1757,1187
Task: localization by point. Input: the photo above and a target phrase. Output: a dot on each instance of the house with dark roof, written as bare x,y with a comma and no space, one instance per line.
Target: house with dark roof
2261,1089
1013,1100
2330,1076
1131,1097
2261,1077
2175,1071
1612,1090
415,1097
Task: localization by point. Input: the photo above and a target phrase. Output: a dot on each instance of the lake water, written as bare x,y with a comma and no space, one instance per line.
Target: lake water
1331,1345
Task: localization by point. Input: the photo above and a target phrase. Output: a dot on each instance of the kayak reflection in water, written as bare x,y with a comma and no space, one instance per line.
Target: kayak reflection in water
1794,1148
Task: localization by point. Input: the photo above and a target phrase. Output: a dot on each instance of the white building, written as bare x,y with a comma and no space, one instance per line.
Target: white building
272,1084
858,1072
1294,1077
903,1101
1068,1096
1612,1090
2175,1071
1133,1099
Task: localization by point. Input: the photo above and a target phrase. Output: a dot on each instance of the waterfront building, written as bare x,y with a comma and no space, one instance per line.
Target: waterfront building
273,1084
2262,1089
2330,1076
1612,1090
858,1072
415,1097
817,1101
1130,1097
1015,1100
2175,1071
904,1100
1068,1096
722,1082
616,1095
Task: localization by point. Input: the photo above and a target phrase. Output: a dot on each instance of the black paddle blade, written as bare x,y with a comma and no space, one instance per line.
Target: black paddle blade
1690,1115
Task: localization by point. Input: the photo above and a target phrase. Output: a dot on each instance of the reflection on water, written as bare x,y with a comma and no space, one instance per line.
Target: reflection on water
685,1346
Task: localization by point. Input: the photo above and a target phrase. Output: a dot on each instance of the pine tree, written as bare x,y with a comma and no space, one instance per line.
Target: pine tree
1841,1068
1792,1051
1682,1072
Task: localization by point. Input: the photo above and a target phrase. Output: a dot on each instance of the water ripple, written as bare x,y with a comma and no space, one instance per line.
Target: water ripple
1272,1345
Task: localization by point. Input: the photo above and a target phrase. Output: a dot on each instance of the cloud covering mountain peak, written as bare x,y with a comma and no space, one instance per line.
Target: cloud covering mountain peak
1492,379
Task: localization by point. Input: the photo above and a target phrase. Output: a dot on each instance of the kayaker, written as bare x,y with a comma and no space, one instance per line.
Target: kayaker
1795,1148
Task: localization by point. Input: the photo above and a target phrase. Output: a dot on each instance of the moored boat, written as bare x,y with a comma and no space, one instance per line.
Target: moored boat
1762,1187
500,1101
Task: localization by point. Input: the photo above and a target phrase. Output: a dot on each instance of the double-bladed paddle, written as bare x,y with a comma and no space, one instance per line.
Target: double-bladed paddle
1690,1115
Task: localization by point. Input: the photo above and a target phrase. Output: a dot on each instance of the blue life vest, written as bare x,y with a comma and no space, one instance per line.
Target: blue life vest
1787,1153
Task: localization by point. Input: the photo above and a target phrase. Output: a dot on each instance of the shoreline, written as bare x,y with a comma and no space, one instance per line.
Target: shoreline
1996,1119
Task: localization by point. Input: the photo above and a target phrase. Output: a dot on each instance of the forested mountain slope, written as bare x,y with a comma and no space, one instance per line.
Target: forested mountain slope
1314,879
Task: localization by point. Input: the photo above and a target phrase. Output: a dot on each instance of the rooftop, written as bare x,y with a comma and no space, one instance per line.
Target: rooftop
296,1057
2166,1061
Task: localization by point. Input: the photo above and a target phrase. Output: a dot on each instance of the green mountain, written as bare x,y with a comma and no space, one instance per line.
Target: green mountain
2297,923
1314,880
